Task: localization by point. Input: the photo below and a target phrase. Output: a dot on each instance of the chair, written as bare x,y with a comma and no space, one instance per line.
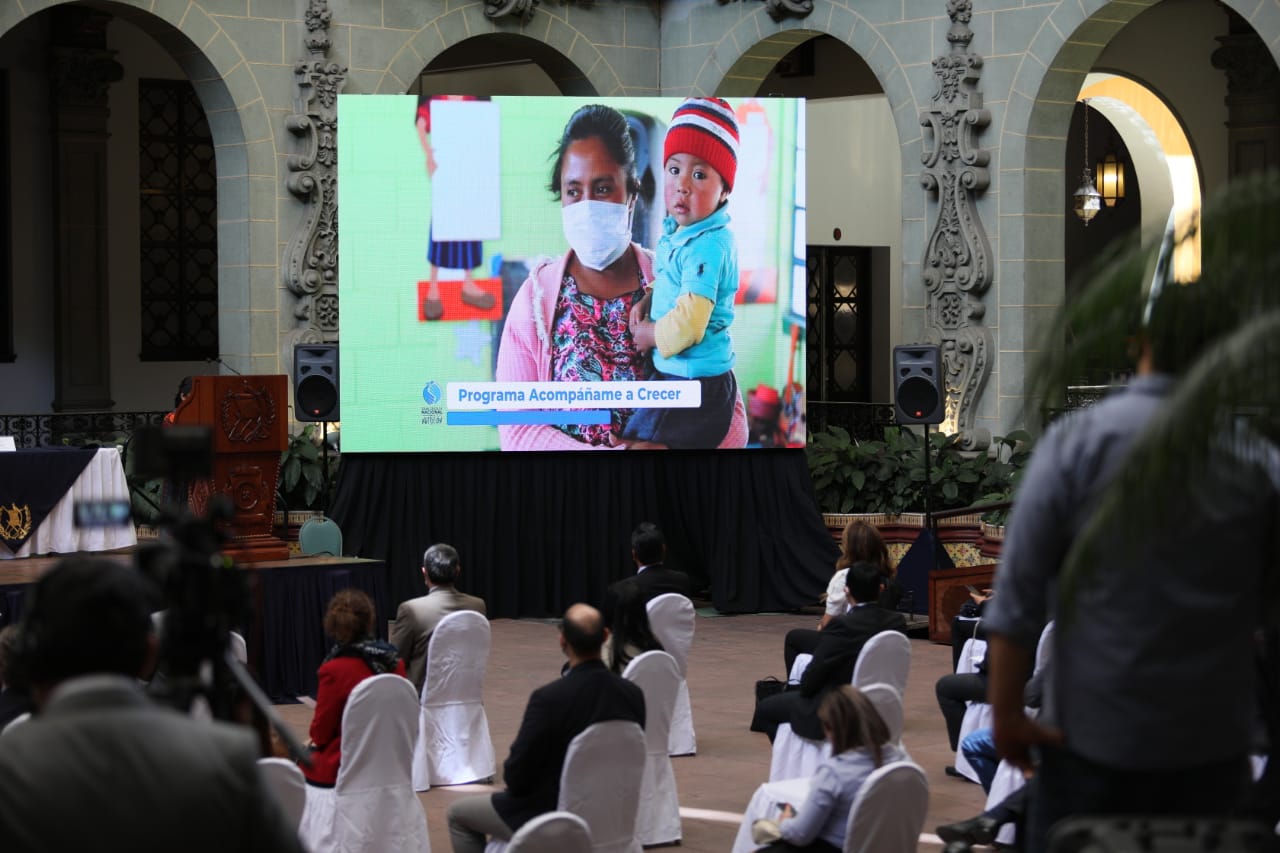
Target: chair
286,782
17,721
978,714
658,817
1009,778
889,811
453,746
372,806
239,648
888,703
553,832
600,782
886,658
671,617
320,536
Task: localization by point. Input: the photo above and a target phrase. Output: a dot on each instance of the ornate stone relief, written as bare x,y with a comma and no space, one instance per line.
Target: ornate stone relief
523,9
957,258
311,259
779,9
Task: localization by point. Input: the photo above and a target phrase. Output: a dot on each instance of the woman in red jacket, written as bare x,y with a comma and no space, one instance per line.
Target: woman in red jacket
355,656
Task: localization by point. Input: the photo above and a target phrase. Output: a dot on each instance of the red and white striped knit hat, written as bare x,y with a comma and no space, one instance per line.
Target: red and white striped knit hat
705,128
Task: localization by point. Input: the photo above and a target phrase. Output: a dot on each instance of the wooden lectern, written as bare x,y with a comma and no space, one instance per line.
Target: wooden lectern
249,417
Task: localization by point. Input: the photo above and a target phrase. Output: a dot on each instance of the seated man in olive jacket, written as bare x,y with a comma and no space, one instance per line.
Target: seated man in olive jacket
834,659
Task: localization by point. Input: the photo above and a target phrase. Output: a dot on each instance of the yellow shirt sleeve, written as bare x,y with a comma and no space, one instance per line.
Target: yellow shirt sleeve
684,325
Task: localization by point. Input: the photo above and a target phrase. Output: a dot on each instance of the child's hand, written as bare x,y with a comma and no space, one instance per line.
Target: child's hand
431,162
640,310
642,332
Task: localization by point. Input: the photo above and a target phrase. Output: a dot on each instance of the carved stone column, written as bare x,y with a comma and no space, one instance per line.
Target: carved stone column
311,258
80,73
957,258
1253,98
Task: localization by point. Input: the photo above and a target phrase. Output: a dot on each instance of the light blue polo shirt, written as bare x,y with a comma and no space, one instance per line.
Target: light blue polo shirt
702,259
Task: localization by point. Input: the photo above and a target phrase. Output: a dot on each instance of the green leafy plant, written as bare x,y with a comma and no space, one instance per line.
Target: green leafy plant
303,484
889,476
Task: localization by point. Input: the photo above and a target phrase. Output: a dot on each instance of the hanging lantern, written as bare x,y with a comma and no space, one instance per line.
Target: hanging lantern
1111,179
1088,201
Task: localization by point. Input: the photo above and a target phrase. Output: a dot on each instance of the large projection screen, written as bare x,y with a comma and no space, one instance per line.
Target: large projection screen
489,348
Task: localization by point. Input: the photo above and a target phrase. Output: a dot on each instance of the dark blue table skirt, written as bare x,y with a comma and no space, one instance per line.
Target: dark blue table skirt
286,639
289,601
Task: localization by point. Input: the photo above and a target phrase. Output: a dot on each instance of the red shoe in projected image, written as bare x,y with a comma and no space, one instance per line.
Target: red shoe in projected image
485,303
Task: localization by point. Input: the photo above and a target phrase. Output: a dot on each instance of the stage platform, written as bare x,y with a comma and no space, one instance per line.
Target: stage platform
287,602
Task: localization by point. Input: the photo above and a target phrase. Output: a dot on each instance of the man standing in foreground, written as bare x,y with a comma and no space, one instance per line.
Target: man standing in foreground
100,767
418,617
557,712
1150,696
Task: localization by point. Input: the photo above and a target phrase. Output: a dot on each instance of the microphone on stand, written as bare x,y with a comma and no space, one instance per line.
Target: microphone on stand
217,359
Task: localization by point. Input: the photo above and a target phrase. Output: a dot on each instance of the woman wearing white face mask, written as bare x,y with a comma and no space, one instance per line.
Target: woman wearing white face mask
569,320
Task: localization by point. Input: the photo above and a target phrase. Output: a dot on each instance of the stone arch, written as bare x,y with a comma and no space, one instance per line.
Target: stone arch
1032,156
751,64
244,146
576,63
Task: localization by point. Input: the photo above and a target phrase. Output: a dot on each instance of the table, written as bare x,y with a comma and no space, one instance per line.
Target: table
102,479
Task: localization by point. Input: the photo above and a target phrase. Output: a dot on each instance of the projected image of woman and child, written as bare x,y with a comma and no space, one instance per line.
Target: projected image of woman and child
610,310
679,222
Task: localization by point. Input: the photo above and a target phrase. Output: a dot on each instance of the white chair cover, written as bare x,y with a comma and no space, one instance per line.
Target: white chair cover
17,721
600,783
286,782
453,746
885,657
553,832
977,715
239,648
658,816
794,756
888,702
764,803
372,807
798,666
671,616
889,811
1009,778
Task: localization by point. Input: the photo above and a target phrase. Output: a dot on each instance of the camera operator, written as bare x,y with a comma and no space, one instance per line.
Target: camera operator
100,766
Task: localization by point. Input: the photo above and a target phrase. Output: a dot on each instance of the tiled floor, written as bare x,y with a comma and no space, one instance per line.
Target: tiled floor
729,654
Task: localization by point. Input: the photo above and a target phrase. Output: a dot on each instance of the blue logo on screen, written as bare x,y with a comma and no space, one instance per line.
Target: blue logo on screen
431,393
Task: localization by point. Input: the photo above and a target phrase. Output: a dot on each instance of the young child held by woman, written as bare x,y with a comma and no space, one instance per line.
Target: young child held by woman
686,315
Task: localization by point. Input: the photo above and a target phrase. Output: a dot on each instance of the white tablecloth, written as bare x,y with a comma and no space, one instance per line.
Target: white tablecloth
102,479
764,803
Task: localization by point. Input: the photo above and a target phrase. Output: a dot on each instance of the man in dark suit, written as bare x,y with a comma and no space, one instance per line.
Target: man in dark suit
557,712
834,659
418,617
652,577
100,767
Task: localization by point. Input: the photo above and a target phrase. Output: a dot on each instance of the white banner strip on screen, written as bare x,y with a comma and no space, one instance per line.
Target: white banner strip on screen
514,396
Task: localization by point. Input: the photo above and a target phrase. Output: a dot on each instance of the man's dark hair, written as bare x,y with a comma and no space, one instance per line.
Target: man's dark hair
648,543
864,581
584,635
441,563
87,615
1185,319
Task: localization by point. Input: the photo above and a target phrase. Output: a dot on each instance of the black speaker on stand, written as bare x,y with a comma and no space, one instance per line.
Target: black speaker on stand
315,392
919,397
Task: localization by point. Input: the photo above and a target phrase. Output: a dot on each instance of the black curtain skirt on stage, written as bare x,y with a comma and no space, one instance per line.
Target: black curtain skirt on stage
539,531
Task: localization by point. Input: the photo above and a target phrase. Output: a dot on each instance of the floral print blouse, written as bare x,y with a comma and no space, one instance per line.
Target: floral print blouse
591,342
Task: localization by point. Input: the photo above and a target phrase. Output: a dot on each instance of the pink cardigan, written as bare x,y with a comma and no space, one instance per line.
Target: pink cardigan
525,355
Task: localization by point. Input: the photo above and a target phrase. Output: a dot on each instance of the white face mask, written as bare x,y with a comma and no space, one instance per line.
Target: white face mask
597,231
